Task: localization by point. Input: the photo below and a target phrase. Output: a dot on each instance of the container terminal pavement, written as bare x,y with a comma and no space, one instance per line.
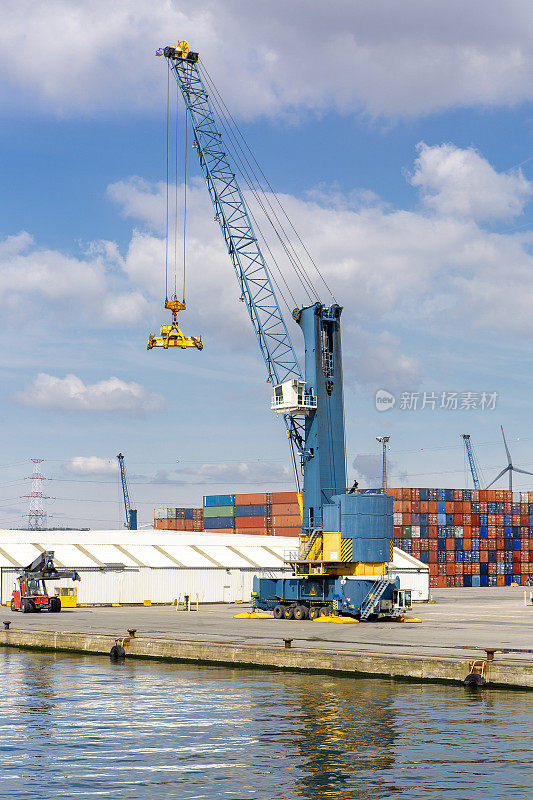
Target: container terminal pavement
454,631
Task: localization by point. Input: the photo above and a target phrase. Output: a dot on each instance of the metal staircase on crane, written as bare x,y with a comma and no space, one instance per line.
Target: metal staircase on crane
373,597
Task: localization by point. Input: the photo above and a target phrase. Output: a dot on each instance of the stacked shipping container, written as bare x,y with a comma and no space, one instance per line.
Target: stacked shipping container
467,537
179,519
259,513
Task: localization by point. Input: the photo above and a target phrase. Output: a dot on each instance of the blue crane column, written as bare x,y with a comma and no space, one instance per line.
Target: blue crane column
324,450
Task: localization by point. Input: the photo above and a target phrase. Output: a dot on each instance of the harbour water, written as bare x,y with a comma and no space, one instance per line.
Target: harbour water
81,727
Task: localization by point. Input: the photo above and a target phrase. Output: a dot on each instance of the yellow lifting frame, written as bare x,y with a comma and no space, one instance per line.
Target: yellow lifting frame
171,336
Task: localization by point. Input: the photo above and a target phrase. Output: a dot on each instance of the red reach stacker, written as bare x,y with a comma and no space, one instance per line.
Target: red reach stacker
31,594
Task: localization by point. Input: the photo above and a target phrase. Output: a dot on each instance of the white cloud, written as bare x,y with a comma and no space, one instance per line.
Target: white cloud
71,394
63,287
383,58
228,473
377,361
463,184
92,465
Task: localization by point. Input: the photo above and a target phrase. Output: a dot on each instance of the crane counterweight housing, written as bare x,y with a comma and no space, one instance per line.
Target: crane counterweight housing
346,540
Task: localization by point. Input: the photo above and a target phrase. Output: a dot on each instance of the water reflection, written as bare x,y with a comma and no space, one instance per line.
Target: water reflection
83,728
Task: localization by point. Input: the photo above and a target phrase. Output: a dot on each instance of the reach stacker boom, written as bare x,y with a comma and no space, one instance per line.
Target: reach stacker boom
346,540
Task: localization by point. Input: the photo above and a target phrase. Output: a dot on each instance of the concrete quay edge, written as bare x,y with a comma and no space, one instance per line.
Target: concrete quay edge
517,675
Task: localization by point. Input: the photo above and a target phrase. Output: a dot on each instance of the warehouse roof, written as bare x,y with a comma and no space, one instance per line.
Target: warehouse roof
145,548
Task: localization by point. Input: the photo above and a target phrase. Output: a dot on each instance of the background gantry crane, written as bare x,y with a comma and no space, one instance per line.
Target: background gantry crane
131,513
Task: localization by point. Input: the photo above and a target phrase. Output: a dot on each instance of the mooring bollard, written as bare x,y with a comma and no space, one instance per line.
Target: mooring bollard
132,632
287,644
7,623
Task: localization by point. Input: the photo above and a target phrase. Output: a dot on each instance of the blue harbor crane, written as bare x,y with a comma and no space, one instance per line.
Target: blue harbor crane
346,540
471,459
131,513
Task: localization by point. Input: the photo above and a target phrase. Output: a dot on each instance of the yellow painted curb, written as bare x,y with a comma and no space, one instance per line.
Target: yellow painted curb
251,615
341,620
411,619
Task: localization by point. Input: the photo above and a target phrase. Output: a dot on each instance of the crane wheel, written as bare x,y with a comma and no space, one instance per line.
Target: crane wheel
326,611
25,606
300,613
314,613
288,612
279,612
13,606
55,605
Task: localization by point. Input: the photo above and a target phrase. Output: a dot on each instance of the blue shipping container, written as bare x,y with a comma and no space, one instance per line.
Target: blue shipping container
222,523
253,511
219,500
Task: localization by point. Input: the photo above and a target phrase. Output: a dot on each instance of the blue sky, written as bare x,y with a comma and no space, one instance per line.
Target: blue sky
402,152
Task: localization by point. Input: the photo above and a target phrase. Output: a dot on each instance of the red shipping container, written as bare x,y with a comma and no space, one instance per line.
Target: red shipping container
257,499
474,518
432,556
500,580
433,569
407,506
458,519
450,544
450,569
450,506
406,517
415,506
450,556
432,506
467,531
500,544
441,582
467,544
397,531
397,505
524,579
424,506
249,522
406,493
291,497
482,495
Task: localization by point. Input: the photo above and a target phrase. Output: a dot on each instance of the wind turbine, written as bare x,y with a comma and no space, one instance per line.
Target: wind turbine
509,468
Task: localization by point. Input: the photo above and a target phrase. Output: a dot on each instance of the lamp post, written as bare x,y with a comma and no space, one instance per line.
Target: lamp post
384,441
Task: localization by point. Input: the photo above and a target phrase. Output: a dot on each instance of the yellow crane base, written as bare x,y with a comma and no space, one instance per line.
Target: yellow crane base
171,335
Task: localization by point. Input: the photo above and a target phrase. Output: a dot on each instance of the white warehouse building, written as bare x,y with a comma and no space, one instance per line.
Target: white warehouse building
162,566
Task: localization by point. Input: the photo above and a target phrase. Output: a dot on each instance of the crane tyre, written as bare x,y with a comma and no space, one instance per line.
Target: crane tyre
279,612
326,611
314,612
300,613
55,605
25,606
288,612
13,606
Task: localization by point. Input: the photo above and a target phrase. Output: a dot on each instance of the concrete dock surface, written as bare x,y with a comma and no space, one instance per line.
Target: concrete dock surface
454,630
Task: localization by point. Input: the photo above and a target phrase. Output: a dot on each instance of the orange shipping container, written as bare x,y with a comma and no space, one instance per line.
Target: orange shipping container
432,506
293,532
257,499
285,509
284,521
280,497
252,532
250,522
